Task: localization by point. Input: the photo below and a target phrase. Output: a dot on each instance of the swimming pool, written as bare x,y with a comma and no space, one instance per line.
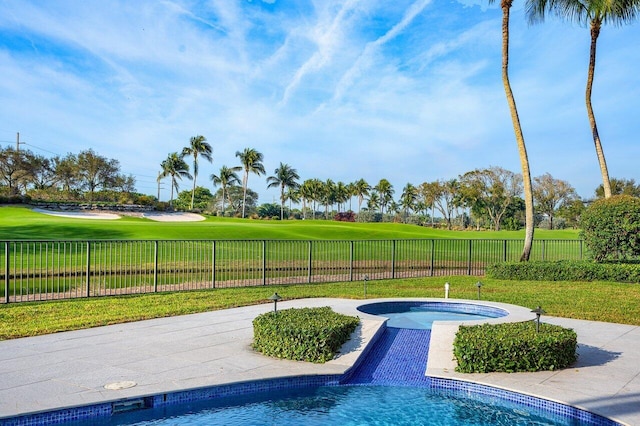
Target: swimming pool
420,315
233,395
346,405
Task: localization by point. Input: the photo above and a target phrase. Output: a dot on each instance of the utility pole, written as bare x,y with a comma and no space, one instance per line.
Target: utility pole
18,143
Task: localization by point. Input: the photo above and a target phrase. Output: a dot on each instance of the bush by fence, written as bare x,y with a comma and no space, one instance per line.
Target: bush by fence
565,270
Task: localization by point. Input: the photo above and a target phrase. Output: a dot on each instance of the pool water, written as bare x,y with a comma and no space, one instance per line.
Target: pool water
421,315
341,405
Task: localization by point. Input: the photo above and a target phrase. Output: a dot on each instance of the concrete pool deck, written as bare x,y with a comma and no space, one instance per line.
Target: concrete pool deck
164,355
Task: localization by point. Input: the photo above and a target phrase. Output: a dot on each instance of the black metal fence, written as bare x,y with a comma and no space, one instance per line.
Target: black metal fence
47,270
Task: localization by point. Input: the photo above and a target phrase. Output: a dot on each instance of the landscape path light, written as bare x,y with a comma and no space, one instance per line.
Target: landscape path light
538,311
478,284
365,279
446,290
275,297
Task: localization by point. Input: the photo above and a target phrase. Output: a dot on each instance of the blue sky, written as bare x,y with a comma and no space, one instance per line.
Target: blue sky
406,90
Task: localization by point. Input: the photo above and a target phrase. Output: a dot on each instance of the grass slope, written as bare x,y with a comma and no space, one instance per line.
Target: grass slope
21,223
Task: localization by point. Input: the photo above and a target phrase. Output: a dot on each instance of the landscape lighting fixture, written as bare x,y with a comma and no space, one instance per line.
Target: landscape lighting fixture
538,311
275,297
478,284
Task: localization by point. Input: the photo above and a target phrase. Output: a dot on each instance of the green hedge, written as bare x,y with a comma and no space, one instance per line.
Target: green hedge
514,347
565,270
307,334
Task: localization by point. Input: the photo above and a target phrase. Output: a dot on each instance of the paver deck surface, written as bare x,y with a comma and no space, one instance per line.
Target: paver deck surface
68,369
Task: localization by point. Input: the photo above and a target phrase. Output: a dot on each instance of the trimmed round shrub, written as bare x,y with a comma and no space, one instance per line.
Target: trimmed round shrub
611,228
514,347
306,334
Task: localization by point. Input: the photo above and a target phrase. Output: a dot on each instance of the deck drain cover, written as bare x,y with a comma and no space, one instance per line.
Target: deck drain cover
120,385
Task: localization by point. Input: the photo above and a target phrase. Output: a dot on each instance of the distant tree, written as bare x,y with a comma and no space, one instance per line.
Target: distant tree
175,167
96,171
571,212
446,194
66,171
225,178
198,145
373,202
327,196
428,193
284,177
490,191
238,199
203,198
42,172
385,193
550,194
13,171
620,187
408,198
268,210
310,192
251,161
361,190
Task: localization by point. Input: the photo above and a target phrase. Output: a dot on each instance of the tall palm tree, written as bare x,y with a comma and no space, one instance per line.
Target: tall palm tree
175,167
251,163
198,145
285,177
505,5
385,193
226,177
595,13
409,198
361,190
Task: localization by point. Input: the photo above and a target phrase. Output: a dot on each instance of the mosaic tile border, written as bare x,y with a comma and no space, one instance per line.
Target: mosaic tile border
536,404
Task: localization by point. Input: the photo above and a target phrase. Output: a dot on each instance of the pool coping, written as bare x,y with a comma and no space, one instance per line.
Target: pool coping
551,386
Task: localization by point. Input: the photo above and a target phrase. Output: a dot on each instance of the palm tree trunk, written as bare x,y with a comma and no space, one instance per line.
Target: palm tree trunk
193,191
606,184
522,149
245,181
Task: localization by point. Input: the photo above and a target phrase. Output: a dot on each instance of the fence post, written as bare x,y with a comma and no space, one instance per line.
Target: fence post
264,262
433,250
88,271
213,264
581,250
310,260
155,266
6,271
470,254
351,262
393,259
543,250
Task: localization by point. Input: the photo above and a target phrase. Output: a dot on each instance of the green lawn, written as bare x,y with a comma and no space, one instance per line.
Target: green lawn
598,301
21,223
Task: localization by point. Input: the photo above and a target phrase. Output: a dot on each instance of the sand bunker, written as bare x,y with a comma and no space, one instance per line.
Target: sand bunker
80,214
173,217
157,216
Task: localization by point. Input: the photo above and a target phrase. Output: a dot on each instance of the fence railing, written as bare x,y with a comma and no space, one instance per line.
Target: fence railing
48,270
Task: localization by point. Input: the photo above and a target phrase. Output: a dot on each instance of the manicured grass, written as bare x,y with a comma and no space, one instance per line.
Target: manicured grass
21,223
597,301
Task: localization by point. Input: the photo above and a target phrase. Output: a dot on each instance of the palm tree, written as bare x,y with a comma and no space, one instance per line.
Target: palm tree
385,193
505,5
251,162
361,189
285,177
198,145
309,191
408,198
177,168
226,177
596,13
